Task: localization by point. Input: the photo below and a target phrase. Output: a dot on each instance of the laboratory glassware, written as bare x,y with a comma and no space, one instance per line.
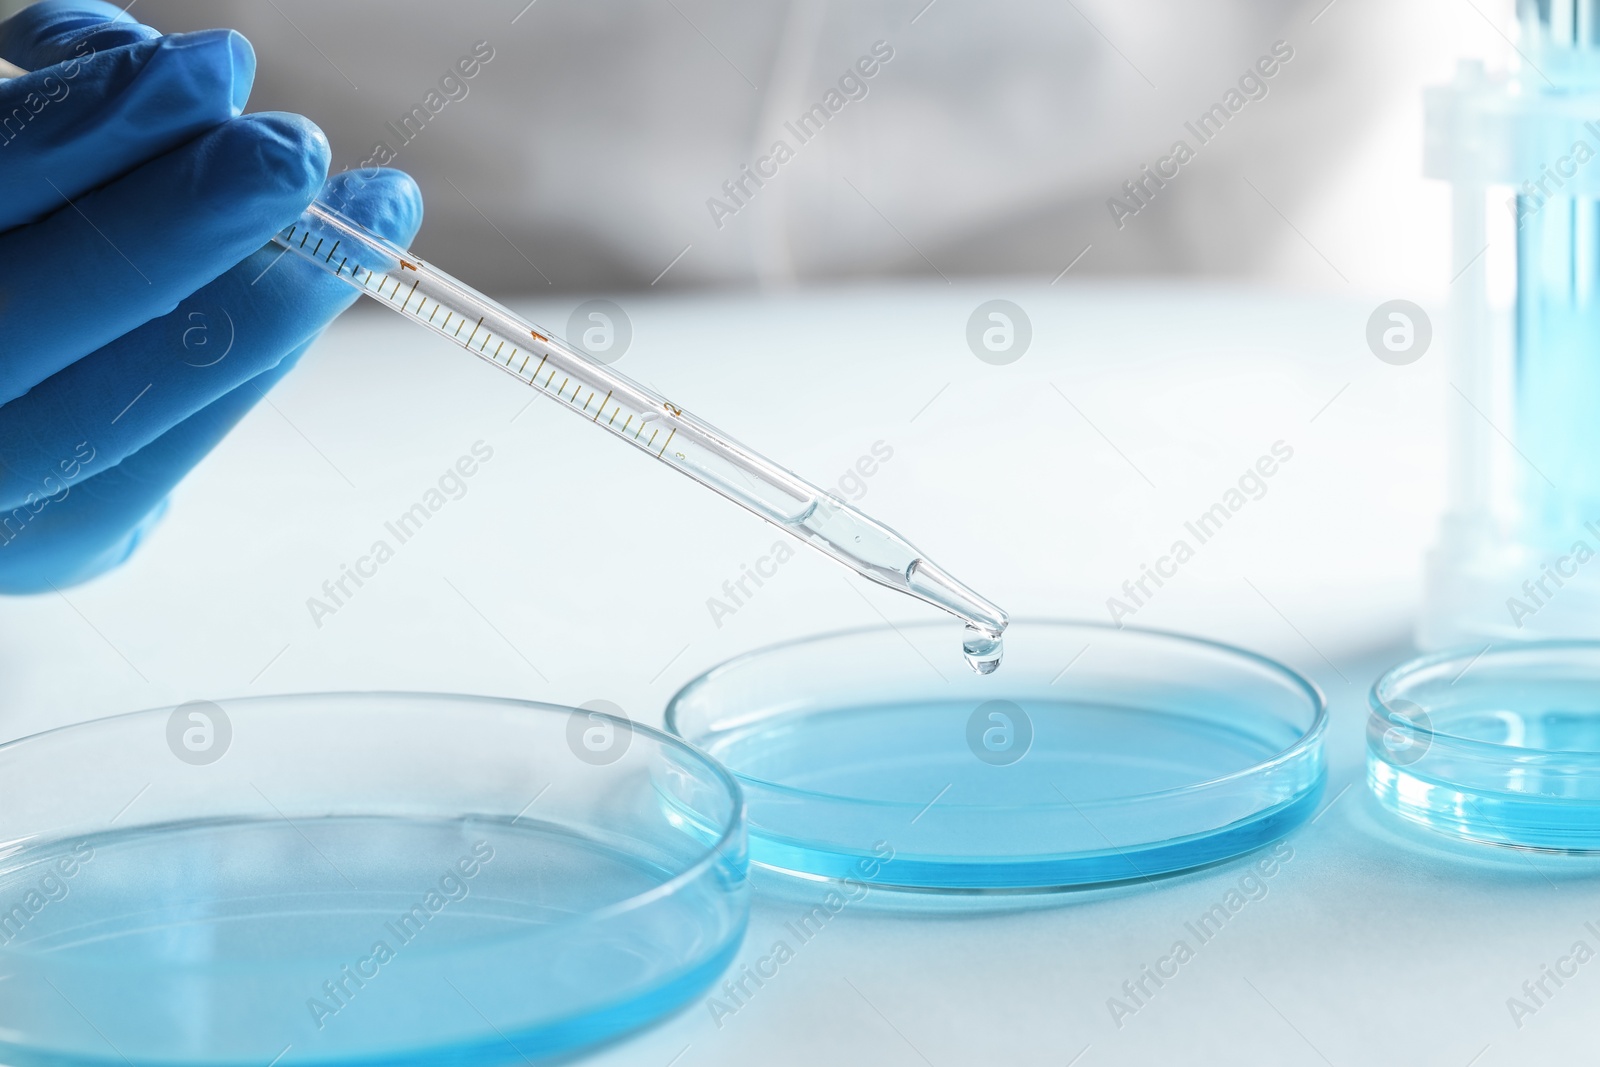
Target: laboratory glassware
643,418
1500,746
1099,756
1512,559
373,878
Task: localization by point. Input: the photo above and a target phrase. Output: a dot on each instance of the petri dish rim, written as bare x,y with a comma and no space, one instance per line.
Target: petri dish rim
709,855
1309,738
1414,669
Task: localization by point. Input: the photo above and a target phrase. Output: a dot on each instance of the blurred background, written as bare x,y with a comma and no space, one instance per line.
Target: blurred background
583,154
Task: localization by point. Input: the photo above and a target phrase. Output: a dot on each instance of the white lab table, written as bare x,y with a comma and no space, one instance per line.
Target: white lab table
572,568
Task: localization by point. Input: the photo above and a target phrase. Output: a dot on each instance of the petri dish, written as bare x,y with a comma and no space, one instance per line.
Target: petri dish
1497,745
1093,756
373,878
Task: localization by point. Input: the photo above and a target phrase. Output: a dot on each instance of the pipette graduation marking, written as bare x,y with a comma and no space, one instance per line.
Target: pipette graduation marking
429,297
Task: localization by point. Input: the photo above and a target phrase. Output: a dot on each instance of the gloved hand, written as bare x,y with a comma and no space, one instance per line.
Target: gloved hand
139,319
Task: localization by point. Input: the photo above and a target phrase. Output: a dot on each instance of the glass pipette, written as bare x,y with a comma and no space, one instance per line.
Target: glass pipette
426,295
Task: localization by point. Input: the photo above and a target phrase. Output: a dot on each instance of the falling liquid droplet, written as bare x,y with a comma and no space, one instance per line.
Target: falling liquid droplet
983,649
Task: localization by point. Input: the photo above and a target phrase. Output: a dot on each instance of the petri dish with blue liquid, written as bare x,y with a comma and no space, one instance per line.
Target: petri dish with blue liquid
357,878
1093,756
1498,745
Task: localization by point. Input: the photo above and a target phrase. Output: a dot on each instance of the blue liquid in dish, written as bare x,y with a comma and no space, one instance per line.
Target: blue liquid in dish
239,942
1503,760
1050,793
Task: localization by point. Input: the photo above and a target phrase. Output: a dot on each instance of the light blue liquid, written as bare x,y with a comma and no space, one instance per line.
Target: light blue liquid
1521,793
1558,366
833,792
214,942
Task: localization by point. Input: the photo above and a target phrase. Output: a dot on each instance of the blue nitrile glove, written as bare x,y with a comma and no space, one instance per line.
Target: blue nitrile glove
138,318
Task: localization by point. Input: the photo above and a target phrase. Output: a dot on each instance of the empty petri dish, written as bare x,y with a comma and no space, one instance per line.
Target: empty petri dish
1499,745
357,878
1094,755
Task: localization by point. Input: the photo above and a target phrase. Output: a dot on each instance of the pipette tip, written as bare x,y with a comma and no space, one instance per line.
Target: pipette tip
986,623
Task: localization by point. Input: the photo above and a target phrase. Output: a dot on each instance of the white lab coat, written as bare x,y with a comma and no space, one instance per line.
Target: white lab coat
590,151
